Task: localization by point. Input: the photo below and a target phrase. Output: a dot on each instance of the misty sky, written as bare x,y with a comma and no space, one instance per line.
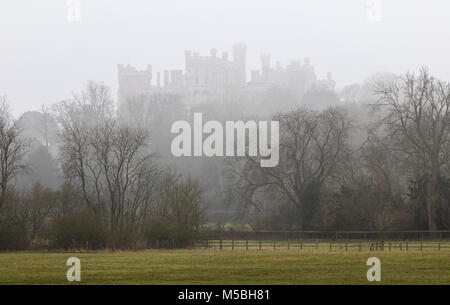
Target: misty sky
43,57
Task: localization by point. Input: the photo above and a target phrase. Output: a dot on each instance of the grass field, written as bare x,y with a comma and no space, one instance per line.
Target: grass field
226,267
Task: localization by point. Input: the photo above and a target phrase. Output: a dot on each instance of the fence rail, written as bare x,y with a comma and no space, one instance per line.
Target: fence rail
326,241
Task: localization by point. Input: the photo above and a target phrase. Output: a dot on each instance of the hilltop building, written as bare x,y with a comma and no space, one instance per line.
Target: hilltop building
218,78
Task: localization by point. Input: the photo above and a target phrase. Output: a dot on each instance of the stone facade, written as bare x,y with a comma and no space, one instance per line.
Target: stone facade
218,78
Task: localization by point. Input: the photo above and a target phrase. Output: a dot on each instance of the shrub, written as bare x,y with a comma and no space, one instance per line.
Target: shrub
179,214
12,238
79,229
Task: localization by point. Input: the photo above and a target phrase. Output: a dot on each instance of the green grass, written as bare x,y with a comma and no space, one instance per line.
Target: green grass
226,267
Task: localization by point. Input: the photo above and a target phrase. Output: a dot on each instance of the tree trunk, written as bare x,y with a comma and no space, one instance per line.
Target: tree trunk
430,202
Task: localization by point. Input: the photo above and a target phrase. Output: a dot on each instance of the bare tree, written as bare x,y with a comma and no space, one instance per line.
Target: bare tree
312,145
178,212
417,123
95,103
12,150
121,174
32,209
76,118
45,121
108,160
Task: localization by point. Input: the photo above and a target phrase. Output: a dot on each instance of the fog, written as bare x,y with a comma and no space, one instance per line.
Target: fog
146,124
44,57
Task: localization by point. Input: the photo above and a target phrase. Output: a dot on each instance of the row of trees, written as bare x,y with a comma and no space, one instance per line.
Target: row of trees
379,164
114,194
340,173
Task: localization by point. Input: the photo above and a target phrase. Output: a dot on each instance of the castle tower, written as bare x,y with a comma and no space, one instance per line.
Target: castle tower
213,53
166,78
265,67
240,58
265,63
132,82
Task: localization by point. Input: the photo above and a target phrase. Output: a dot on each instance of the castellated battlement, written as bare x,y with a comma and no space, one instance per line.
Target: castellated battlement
132,70
212,77
132,80
194,58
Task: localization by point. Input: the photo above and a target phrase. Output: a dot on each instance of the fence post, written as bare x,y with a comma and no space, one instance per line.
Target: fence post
331,247
289,245
274,244
301,244
345,246
390,245
221,244
421,245
232,243
359,248
317,244
259,241
400,246
406,245
439,246
246,245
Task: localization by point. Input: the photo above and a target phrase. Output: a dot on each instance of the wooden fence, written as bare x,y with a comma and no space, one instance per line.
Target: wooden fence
326,241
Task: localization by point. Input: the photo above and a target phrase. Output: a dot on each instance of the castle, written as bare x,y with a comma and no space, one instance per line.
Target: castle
218,78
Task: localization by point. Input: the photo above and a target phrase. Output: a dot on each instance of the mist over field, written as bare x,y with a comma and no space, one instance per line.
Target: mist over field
353,97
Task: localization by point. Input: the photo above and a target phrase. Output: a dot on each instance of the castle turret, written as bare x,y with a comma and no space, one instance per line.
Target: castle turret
166,78
265,63
132,82
187,58
240,58
265,67
213,53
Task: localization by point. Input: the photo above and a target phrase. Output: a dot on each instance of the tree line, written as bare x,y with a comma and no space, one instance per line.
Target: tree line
379,160
113,193
396,177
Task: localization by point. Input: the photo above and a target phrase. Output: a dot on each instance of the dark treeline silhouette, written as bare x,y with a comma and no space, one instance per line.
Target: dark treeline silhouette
81,174
113,194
